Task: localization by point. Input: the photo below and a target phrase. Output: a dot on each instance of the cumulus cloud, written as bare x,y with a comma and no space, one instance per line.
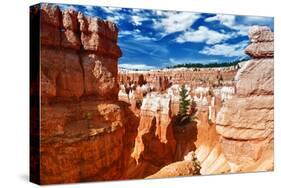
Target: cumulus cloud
170,22
228,50
113,14
136,66
230,22
203,34
242,26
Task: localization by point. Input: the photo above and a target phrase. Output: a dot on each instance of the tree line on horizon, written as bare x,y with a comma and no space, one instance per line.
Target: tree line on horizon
208,65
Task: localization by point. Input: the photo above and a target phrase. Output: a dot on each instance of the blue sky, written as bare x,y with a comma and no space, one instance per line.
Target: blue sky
156,39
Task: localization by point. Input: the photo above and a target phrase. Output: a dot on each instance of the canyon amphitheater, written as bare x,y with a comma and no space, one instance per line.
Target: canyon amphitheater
100,123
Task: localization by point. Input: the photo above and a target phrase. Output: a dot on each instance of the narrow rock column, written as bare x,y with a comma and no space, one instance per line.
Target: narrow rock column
246,121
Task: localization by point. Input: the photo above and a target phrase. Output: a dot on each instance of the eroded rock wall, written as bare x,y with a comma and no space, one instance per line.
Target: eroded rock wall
246,121
241,137
162,79
154,143
78,55
84,133
198,138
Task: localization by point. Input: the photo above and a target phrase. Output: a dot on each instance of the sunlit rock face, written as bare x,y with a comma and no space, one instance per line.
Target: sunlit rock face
261,42
86,133
245,122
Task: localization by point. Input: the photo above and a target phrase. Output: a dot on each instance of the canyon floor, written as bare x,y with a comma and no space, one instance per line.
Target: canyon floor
100,123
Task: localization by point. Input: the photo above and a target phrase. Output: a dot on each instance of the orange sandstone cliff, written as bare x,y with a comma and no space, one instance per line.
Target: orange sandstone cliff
85,132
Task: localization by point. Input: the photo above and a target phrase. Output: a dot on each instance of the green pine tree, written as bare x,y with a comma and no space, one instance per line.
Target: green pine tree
183,117
184,102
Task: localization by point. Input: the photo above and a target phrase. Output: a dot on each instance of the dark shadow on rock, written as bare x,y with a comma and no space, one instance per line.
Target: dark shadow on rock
186,137
131,131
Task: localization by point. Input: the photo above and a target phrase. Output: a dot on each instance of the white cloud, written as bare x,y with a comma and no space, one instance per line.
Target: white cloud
144,38
137,20
203,34
115,18
244,24
136,66
242,29
136,34
158,12
227,20
175,21
113,14
136,11
111,10
230,22
228,50
124,33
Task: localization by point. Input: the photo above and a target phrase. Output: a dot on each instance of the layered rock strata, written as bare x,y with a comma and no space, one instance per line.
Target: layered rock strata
162,79
78,55
246,121
84,133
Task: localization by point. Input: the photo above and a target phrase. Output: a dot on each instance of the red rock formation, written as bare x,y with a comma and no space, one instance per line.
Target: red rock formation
201,139
74,142
154,143
242,139
84,133
245,122
164,78
66,46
